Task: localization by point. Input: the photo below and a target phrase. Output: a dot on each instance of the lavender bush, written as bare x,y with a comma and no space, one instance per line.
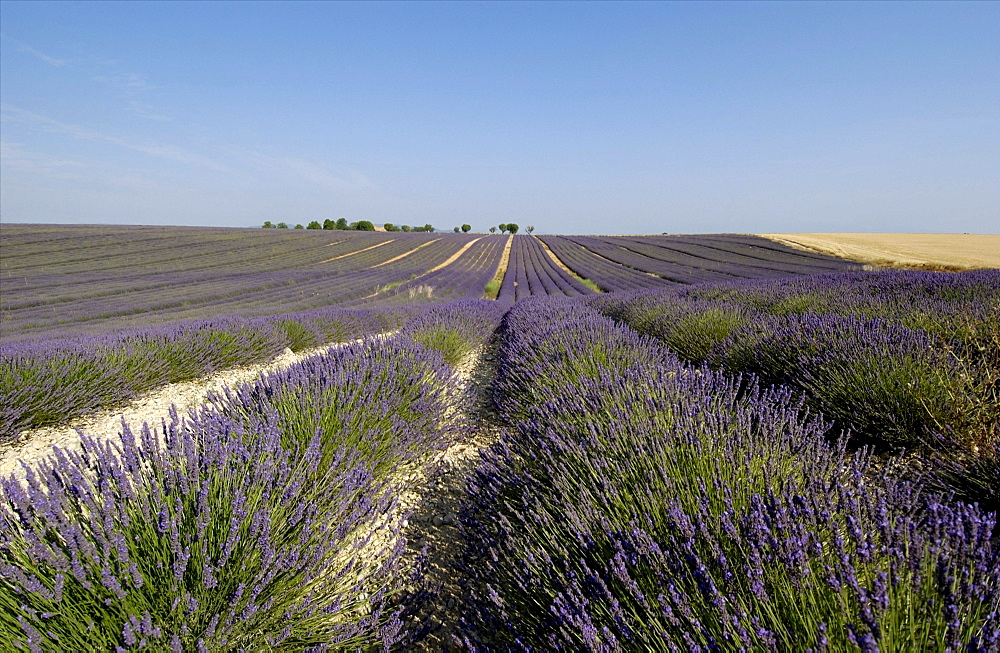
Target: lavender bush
46,382
456,328
261,520
880,380
652,506
217,538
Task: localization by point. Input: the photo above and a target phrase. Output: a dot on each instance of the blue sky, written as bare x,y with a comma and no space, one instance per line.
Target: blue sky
574,118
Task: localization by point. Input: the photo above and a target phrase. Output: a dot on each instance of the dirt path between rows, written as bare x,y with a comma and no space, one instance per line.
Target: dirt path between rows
36,444
433,523
357,251
454,257
564,268
404,254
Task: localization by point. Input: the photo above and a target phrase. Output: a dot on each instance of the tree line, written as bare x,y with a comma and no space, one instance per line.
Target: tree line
343,225
366,225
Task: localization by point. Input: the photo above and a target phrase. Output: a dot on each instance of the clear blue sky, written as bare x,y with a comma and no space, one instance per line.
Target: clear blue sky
574,118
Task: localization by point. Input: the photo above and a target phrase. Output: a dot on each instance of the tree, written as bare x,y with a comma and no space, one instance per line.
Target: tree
329,224
388,226
429,228
313,225
466,228
282,225
341,224
268,225
503,228
405,228
512,228
530,229
364,225
493,230
298,226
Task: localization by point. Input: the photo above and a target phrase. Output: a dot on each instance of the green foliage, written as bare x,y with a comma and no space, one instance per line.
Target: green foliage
406,228
329,224
342,224
314,225
448,341
364,225
466,228
492,289
267,225
512,228
493,230
282,225
388,226
299,337
457,230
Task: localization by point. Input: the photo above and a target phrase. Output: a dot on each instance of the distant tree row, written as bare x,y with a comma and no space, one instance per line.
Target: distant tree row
342,225
365,225
388,226
509,228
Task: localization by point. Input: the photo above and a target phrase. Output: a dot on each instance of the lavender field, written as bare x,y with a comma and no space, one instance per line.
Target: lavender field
709,442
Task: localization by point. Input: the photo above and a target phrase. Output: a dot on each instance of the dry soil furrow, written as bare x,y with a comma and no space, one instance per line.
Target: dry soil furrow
433,522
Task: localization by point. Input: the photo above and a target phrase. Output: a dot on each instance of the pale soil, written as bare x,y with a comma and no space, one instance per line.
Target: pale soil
557,261
384,242
950,252
504,263
404,254
433,524
36,444
454,257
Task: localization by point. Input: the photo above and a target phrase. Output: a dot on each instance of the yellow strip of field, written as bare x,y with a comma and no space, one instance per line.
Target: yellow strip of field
385,242
555,259
493,287
948,252
453,257
404,254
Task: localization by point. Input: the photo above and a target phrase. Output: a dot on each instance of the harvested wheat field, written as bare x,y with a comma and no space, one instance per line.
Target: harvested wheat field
946,252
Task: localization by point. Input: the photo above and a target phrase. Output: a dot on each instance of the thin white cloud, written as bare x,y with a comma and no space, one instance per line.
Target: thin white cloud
146,110
170,152
23,47
340,181
14,157
126,80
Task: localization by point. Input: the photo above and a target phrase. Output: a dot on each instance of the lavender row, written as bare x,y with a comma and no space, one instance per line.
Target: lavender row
632,263
47,382
755,257
530,271
607,274
891,356
456,328
262,522
463,279
639,504
214,272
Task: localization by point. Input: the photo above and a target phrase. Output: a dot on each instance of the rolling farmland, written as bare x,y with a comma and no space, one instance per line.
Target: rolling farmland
692,442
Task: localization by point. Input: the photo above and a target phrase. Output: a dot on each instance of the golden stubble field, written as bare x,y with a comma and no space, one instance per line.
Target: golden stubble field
947,252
